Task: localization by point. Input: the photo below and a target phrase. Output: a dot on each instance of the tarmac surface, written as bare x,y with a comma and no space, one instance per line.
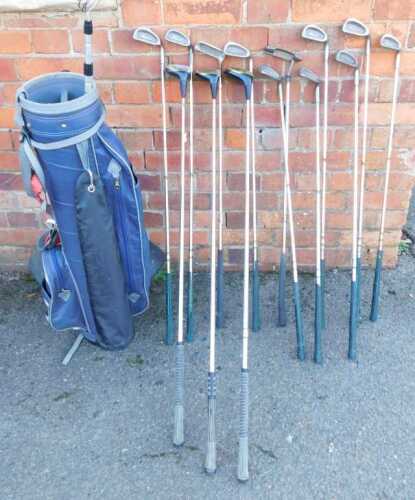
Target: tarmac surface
101,428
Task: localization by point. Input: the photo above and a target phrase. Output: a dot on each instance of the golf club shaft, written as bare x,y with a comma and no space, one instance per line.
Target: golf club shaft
243,468
297,296
353,293
256,321
88,62
178,438
190,318
318,306
211,444
168,278
379,259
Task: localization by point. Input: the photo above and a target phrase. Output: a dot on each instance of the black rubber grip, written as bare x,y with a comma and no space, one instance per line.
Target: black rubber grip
88,69
88,28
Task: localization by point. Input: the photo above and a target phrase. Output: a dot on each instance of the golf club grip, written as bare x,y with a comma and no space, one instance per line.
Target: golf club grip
282,310
358,284
299,327
323,292
318,325
219,290
190,319
168,288
256,320
210,464
374,312
243,456
353,321
178,437
88,32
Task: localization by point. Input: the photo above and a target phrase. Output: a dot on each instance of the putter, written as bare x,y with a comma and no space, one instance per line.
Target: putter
245,78
314,33
147,36
233,49
213,77
182,73
289,59
218,54
348,59
315,80
391,43
356,28
176,37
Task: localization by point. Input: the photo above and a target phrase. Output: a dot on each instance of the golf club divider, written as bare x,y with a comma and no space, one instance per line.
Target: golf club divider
379,256
183,74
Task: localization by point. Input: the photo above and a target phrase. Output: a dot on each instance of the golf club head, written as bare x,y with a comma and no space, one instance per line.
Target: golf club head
314,33
354,27
210,50
146,35
283,54
347,58
244,77
390,42
233,49
270,72
177,37
181,72
307,74
213,78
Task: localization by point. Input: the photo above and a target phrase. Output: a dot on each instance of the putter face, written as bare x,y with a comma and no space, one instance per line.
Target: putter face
177,37
210,50
390,42
314,33
307,74
270,72
283,54
146,35
345,57
354,27
233,49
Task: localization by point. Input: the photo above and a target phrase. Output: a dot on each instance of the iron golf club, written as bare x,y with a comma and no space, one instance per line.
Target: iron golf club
147,36
213,77
218,54
356,28
315,80
289,59
245,78
391,43
314,33
182,73
348,59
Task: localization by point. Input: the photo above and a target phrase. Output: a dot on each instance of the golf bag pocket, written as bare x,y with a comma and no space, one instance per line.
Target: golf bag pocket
58,291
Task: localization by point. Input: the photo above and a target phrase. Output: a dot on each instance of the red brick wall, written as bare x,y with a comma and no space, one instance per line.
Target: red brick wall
128,74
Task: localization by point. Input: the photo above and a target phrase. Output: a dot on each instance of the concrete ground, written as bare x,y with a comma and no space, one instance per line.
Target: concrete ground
101,428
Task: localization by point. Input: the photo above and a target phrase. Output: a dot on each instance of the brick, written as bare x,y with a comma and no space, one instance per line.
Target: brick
339,181
135,139
407,64
146,116
149,182
147,12
272,182
5,140
236,182
7,117
18,236
202,11
137,160
15,42
393,9
7,70
9,182
173,140
172,91
334,10
123,42
14,258
256,38
411,37
40,21
8,93
271,138
268,11
153,219
127,68
382,63
22,219
131,92
100,41
269,219
9,161
50,41
28,68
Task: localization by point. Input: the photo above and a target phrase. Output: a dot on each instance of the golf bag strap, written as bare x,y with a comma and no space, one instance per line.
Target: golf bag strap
29,164
71,141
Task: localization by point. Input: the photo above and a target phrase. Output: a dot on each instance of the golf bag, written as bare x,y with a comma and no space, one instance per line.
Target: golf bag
96,257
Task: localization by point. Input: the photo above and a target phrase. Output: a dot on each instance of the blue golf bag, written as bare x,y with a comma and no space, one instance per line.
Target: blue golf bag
96,257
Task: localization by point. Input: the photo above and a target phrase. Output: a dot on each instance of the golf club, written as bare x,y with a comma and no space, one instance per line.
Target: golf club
147,36
289,59
348,59
218,54
88,57
182,73
213,77
178,38
233,49
356,28
245,78
314,79
314,33
391,43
